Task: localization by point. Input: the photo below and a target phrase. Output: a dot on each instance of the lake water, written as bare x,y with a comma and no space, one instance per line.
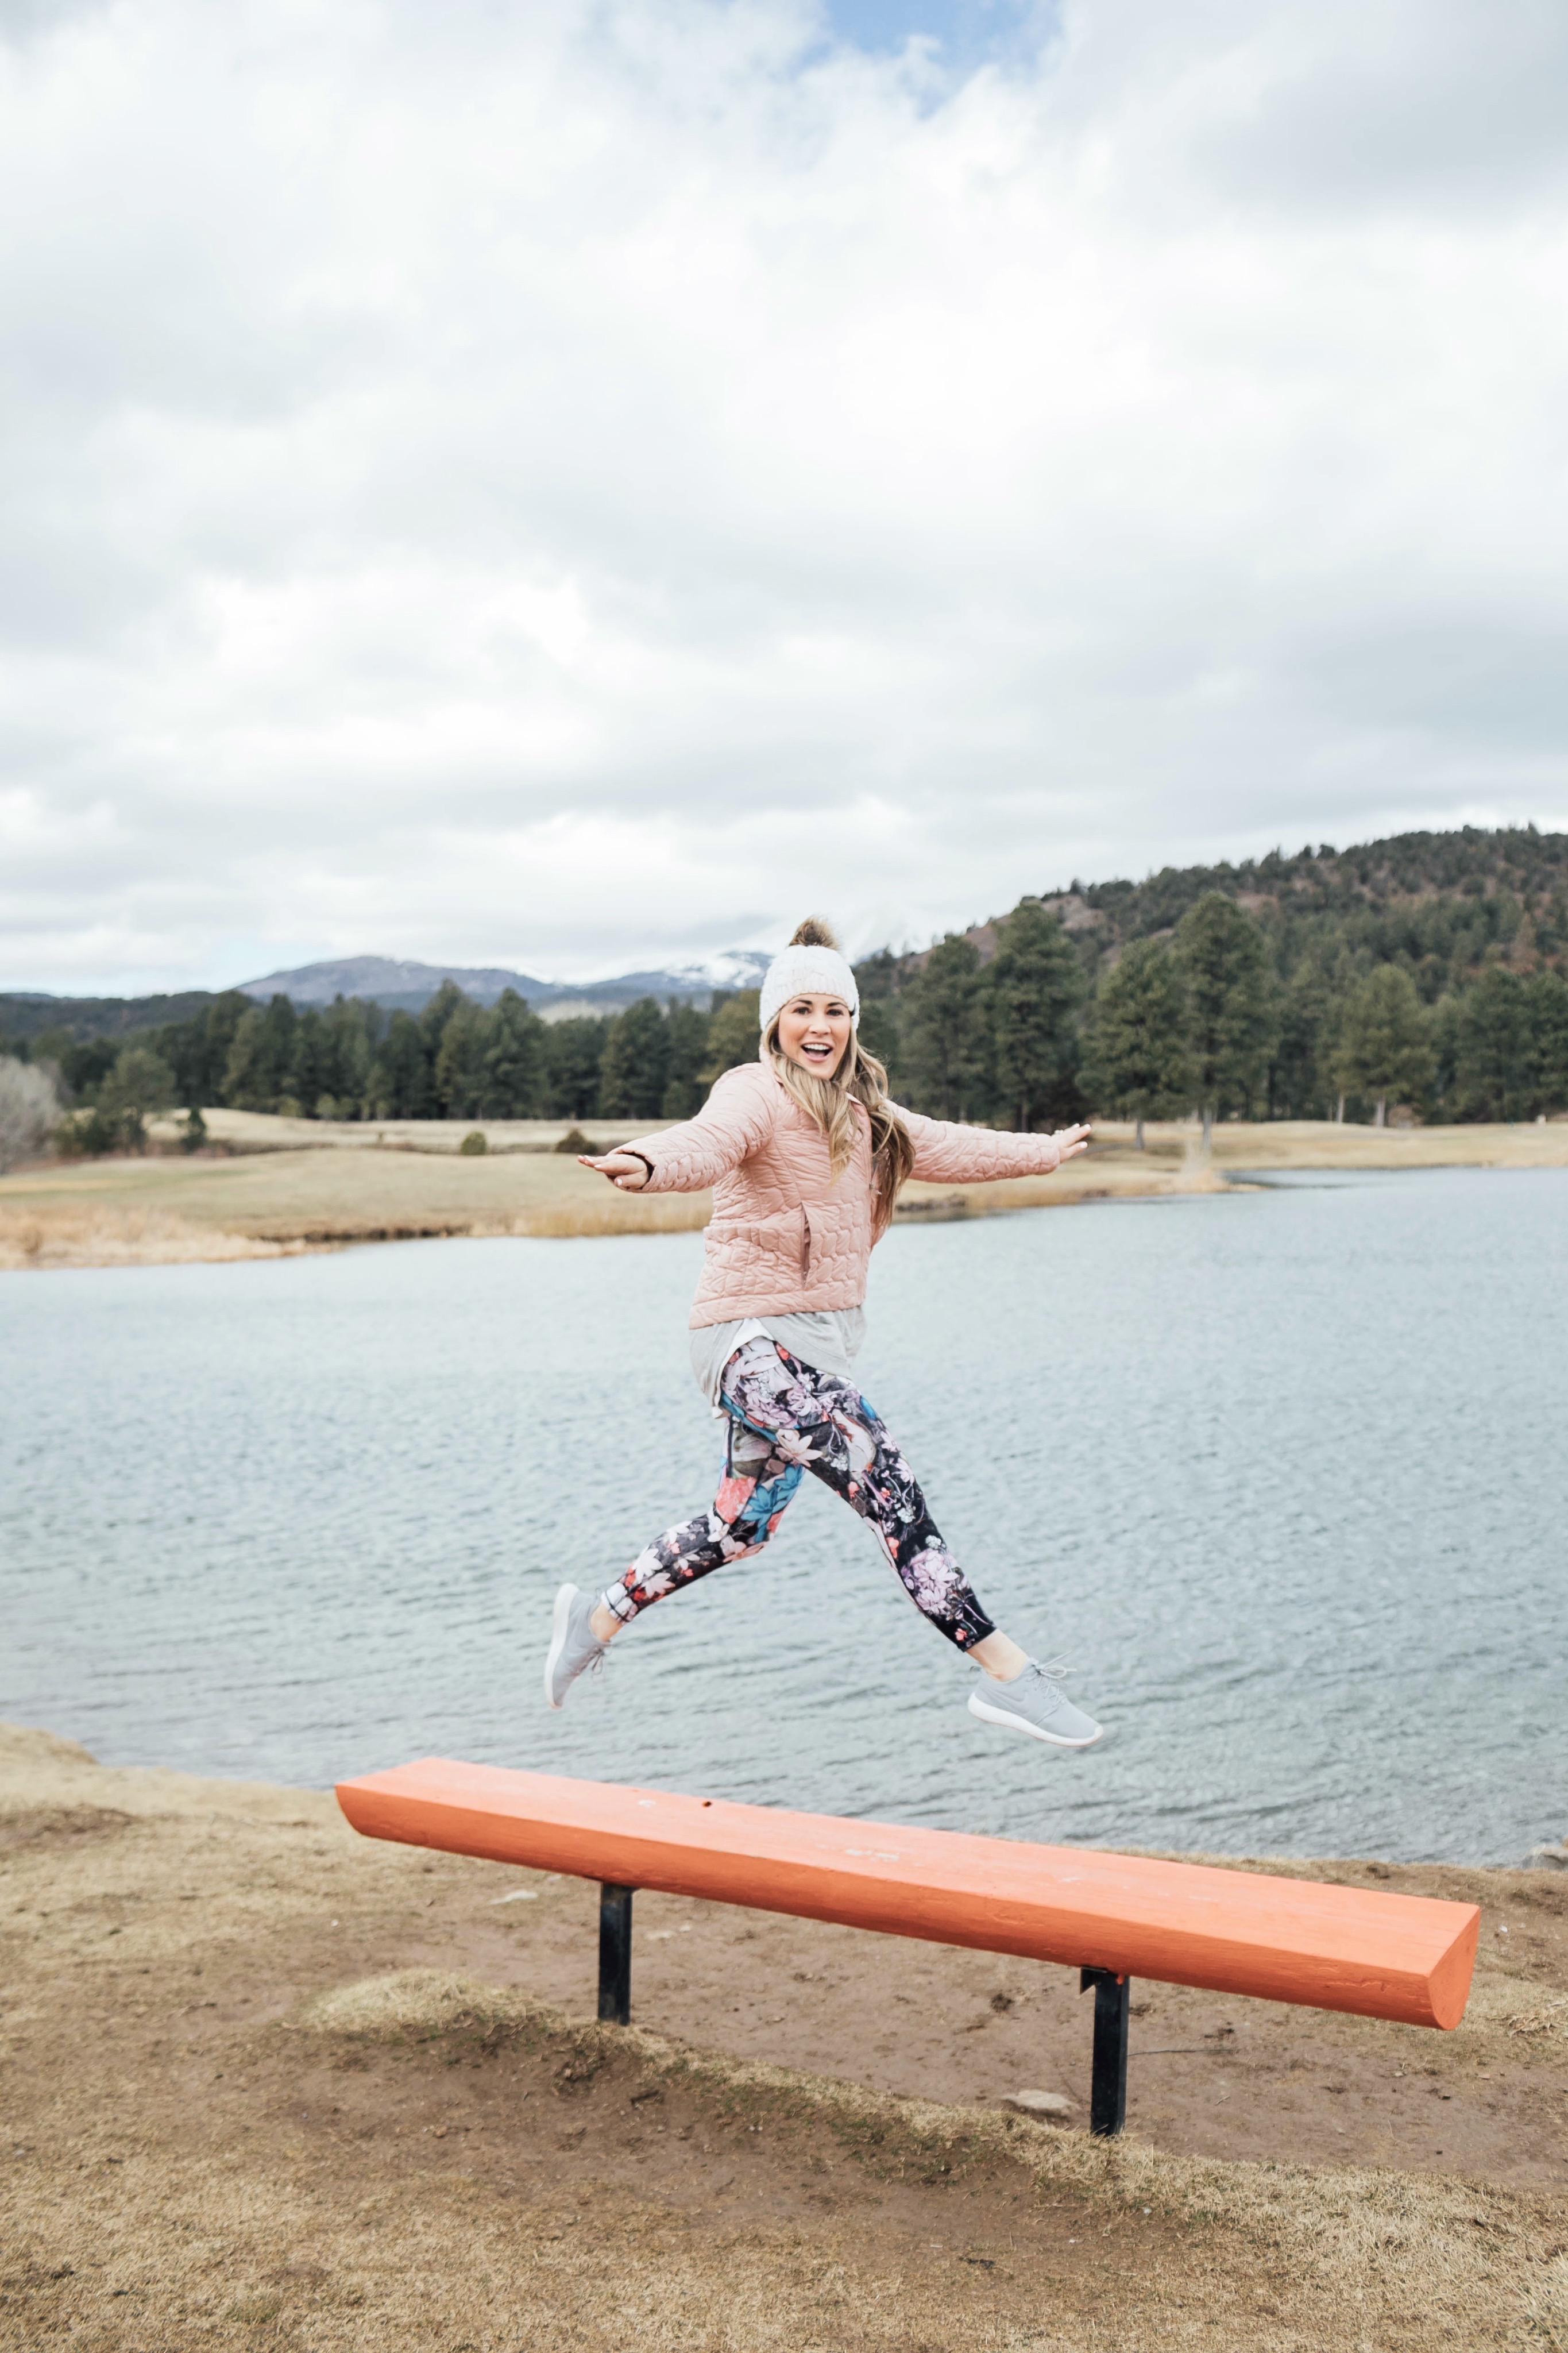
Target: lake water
1283,1474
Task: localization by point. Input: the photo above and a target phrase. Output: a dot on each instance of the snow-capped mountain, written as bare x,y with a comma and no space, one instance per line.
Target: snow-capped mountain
398,982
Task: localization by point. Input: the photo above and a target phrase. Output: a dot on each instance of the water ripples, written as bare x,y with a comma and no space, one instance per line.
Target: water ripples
1282,1473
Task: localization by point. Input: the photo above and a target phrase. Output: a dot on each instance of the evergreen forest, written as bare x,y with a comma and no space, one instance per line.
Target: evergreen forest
1423,978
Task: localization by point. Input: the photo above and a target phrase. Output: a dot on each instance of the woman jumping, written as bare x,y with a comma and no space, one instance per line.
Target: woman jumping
806,1155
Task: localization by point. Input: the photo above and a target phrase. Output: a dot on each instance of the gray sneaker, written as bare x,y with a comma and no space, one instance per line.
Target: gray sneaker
1033,1704
574,1644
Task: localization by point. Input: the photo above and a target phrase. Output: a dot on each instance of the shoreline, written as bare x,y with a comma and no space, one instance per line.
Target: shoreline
262,2072
271,1197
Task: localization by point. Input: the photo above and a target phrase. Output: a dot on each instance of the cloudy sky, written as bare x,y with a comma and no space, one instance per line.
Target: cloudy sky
567,482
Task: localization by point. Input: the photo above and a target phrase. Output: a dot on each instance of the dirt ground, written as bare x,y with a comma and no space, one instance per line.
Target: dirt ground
269,2085
293,1185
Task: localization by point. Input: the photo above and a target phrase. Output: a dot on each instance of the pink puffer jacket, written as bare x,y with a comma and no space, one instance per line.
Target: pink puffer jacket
784,1240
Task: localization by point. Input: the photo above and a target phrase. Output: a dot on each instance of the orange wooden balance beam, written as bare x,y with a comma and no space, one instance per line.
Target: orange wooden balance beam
1115,1916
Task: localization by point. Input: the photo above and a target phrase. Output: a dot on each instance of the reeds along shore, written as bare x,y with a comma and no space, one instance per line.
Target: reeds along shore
268,2083
270,1193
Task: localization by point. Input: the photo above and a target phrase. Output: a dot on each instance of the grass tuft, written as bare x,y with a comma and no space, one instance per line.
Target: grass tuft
254,2309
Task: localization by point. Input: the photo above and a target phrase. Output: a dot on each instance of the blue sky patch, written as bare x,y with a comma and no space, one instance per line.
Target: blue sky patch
968,30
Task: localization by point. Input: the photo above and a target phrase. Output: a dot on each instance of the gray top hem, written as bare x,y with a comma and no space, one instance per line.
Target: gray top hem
829,1339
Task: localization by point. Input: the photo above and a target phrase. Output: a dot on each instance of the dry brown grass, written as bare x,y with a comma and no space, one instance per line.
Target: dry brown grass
256,1131
345,1188
1335,2229
113,1212
1238,1143
248,2103
1323,1143
116,1235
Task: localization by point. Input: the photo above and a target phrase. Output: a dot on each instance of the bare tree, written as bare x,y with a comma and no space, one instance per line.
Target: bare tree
29,1110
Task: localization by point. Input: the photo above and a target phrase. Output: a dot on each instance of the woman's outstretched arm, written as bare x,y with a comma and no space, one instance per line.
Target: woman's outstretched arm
947,1154
695,1153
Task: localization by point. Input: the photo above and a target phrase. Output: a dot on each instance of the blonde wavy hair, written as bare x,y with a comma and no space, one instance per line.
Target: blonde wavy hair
860,1078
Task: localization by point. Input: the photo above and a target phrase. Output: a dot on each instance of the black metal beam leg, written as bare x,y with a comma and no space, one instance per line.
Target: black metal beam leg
1108,2085
616,1955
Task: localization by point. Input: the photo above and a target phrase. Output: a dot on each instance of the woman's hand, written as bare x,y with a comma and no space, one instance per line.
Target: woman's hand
623,1168
1070,1141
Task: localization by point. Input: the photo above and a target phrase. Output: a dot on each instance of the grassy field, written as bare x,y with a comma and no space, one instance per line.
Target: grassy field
271,1194
269,2085
254,1131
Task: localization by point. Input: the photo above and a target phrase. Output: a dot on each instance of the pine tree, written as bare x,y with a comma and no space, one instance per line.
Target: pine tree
1230,996
256,1071
732,1035
635,1062
684,1089
1493,1073
401,1084
1139,1064
1384,1049
352,1032
877,1031
945,1045
457,1075
514,1078
308,1069
244,1074
1300,1080
573,1049
1548,995
140,1084
197,1051
1034,986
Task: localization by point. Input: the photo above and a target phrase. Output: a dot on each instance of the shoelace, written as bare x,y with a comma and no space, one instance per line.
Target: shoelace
1051,1671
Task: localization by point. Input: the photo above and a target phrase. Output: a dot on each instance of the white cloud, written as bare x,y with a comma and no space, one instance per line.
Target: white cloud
559,485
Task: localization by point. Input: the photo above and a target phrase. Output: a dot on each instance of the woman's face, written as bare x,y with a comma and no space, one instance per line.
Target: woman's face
813,1031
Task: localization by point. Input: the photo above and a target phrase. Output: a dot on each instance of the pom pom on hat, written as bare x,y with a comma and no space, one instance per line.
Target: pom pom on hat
812,966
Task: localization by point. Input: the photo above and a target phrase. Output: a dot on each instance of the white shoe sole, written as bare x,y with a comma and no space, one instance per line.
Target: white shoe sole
560,1624
1011,1723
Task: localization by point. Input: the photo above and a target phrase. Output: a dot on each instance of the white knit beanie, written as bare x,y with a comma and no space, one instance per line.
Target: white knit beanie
810,971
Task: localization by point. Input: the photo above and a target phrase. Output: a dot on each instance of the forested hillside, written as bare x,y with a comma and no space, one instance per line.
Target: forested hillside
1429,971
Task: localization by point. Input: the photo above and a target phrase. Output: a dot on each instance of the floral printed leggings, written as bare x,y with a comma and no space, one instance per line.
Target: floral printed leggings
786,1419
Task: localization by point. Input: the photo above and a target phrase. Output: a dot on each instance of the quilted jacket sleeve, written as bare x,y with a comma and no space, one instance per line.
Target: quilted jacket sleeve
733,1122
946,1154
